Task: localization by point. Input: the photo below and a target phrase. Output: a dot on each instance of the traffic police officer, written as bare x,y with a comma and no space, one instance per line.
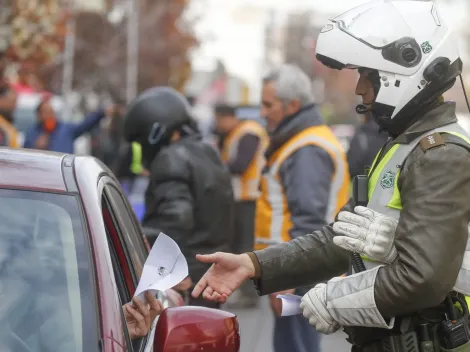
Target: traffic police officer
419,191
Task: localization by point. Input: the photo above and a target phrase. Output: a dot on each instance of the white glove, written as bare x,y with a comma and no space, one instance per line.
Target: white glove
314,309
367,232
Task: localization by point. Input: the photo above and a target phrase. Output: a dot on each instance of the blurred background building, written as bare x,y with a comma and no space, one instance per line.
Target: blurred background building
90,52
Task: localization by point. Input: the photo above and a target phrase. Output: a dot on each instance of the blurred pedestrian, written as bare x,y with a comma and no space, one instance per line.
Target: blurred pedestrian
242,146
8,96
107,138
51,134
303,186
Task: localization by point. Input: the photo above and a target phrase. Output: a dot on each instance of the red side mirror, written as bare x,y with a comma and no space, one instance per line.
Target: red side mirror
188,329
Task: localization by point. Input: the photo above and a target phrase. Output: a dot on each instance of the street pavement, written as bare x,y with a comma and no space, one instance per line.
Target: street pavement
256,327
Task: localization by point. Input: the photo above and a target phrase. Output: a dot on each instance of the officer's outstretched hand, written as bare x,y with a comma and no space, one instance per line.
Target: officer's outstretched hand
227,273
367,232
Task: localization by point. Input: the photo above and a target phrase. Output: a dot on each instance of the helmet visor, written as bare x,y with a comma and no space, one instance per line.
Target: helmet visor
376,24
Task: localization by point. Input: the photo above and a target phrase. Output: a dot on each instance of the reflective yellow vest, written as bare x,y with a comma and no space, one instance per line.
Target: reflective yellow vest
384,195
246,186
136,163
10,132
273,218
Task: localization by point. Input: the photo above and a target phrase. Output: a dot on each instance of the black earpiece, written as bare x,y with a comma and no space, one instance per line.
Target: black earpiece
437,70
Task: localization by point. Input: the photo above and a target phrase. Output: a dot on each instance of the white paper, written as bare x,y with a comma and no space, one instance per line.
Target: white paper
164,268
290,304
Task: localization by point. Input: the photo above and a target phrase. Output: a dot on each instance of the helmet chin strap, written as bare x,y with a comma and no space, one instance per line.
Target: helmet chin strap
361,109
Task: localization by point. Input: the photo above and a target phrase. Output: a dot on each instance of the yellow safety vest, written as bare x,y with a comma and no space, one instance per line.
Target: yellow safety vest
10,132
136,163
273,218
246,186
384,194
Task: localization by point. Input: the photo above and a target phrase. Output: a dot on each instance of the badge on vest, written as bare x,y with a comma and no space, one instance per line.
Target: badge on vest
387,180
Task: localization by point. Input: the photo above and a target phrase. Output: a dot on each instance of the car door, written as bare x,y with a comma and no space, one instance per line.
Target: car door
127,243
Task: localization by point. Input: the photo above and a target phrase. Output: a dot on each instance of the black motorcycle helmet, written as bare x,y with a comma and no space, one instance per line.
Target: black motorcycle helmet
153,117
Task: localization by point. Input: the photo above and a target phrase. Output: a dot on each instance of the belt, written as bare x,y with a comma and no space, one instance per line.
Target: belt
394,343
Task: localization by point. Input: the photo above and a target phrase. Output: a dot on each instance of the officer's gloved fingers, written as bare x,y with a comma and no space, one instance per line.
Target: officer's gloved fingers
324,326
350,230
382,249
367,213
388,225
349,244
354,219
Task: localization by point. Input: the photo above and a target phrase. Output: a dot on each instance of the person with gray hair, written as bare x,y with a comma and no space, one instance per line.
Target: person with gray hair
289,85
305,182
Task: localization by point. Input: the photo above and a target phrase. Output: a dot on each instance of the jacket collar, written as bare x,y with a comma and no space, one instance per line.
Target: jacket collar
306,117
441,115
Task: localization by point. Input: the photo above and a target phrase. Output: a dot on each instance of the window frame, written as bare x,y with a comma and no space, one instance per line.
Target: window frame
119,244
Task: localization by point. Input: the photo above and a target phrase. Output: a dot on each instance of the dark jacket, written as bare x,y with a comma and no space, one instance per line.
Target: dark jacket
190,199
430,239
63,137
364,146
305,175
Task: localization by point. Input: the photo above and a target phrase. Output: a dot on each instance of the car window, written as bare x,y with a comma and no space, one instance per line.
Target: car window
122,268
125,276
123,292
46,281
130,229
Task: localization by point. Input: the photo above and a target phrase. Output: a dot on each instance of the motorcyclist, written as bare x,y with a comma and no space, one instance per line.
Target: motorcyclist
407,58
189,196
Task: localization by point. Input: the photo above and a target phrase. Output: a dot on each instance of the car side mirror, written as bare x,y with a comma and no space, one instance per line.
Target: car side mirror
196,329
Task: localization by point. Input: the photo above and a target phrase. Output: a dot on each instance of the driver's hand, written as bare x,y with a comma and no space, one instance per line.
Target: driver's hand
140,316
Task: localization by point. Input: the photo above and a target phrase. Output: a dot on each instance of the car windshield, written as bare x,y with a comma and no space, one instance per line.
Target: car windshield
45,275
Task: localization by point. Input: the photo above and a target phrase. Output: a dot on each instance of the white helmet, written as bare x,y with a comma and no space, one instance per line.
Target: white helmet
406,42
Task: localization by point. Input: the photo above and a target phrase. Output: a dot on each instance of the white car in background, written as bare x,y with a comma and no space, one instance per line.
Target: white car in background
24,117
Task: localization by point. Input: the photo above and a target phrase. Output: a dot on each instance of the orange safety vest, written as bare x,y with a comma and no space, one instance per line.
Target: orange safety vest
246,186
10,132
273,219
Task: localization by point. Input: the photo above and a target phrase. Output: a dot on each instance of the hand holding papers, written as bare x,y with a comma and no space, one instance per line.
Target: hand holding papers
164,268
290,304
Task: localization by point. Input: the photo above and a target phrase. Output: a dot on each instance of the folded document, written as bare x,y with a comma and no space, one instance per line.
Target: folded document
164,268
290,304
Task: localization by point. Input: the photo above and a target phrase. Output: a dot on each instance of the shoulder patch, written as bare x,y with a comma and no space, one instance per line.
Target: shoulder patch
431,141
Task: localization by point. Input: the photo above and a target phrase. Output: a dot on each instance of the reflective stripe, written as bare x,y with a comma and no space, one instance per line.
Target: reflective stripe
386,200
136,164
247,188
276,201
465,138
275,192
268,241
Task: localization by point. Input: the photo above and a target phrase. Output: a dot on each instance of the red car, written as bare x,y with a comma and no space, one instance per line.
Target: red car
71,254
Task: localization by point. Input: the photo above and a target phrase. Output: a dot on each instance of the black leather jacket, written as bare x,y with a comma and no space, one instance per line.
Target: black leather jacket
190,199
